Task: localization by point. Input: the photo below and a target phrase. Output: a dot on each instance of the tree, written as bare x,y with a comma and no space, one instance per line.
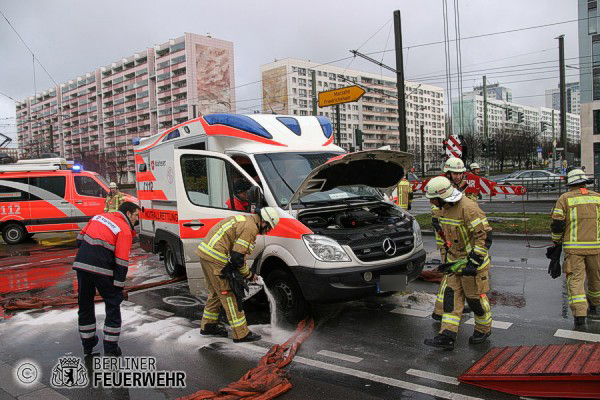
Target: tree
504,146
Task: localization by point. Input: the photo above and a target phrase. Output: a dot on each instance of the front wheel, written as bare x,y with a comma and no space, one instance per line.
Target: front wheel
288,296
173,269
14,233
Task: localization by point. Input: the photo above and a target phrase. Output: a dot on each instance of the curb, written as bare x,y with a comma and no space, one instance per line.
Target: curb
510,236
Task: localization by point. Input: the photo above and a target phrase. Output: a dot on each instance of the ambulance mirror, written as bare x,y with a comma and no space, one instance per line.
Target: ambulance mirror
255,198
142,168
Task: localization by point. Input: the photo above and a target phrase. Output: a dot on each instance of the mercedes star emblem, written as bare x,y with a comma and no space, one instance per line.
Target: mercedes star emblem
389,247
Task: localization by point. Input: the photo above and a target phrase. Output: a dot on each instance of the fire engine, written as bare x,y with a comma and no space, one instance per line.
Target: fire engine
337,235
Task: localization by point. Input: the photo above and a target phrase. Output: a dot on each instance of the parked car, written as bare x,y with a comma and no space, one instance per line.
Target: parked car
529,178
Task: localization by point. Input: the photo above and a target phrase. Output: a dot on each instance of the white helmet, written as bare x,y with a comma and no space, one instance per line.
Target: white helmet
440,187
270,216
454,164
474,166
576,177
113,185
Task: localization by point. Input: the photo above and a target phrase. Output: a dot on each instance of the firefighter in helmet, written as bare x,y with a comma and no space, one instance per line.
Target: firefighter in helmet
575,225
114,199
405,193
465,226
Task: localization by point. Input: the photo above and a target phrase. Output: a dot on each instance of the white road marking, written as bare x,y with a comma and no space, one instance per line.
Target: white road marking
443,394
495,324
436,377
340,356
588,337
412,312
160,312
127,303
19,265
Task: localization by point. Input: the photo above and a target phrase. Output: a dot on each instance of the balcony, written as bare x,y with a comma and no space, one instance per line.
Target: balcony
178,79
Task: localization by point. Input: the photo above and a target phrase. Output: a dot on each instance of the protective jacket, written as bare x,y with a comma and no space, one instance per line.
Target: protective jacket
576,221
235,234
466,228
104,245
113,203
405,194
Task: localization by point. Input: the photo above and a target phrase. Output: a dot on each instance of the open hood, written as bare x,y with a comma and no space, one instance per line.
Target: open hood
375,168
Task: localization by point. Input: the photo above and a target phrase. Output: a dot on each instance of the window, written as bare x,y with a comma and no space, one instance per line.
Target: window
10,194
206,180
53,184
87,186
596,115
592,14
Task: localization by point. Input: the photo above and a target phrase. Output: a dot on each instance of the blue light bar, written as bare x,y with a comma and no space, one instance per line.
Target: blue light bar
77,168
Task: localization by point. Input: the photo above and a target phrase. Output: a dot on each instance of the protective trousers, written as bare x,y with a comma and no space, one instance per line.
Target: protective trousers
220,295
578,267
474,290
87,283
439,301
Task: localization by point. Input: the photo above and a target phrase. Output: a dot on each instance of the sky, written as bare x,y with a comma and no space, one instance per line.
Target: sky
72,37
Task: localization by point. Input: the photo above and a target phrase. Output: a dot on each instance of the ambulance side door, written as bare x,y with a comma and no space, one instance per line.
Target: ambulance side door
204,184
88,195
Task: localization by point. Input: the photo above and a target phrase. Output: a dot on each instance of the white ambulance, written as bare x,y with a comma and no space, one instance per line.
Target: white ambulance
337,235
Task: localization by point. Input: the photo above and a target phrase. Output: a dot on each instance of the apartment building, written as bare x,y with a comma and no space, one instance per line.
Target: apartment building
499,118
287,89
573,94
96,117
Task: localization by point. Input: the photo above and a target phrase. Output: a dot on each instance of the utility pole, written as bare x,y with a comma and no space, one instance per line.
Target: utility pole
338,133
563,96
553,143
400,82
314,92
422,150
485,127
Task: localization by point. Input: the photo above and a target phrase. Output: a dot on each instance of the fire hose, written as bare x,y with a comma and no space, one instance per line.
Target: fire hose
268,380
70,300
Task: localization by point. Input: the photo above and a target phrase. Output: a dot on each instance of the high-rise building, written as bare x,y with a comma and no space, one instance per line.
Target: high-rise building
573,98
94,117
589,77
494,92
287,89
505,115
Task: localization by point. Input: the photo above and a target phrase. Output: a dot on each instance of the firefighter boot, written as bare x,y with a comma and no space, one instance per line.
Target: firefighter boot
114,353
214,330
579,321
594,313
441,341
88,349
250,337
479,337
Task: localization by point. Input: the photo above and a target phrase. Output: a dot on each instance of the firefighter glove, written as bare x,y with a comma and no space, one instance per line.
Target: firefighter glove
554,269
474,261
435,222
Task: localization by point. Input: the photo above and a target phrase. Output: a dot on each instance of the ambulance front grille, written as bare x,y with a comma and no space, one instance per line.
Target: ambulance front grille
371,248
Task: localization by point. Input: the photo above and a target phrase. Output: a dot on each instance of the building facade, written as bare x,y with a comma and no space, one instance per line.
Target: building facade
500,118
589,77
287,89
95,117
494,92
573,94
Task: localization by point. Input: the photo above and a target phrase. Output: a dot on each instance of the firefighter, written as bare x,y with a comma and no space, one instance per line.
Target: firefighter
225,246
240,193
455,172
114,199
475,168
473,191
405,194
101,263
575,225
468,233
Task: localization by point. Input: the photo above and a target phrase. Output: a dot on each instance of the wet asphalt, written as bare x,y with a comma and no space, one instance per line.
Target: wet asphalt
376,346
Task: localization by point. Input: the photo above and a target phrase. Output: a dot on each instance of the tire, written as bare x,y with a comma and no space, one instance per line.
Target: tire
288,296
173,269
14,233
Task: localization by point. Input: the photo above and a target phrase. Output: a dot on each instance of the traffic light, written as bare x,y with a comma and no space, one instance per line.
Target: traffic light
359,139
508,114
485,150
520,117
492,148
543,126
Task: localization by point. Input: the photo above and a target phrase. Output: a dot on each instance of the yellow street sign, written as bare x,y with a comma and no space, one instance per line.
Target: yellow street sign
342,95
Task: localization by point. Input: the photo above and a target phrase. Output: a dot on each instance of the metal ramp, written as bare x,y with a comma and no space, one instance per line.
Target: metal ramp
567,371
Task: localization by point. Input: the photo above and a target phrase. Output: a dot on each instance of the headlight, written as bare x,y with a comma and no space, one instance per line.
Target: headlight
324,248
417,232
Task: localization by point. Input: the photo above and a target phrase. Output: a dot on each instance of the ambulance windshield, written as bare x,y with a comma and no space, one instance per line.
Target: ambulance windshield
285,172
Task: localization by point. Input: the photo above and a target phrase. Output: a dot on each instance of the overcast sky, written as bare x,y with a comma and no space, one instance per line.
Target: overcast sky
72,37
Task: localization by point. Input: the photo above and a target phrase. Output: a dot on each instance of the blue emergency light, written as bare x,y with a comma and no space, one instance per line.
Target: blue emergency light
77,168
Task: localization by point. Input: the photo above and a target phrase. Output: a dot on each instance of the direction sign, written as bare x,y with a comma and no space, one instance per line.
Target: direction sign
346,94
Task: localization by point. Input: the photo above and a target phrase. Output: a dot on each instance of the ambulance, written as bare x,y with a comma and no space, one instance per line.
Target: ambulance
48,195
337,235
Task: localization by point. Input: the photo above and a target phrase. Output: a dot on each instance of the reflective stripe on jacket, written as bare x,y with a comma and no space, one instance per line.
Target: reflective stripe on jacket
113,203
104,246
580,209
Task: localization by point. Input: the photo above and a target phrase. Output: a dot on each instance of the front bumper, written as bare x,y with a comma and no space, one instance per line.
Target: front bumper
321,285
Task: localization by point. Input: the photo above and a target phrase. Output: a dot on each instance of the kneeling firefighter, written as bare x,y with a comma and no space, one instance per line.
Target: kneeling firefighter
468,236
222,255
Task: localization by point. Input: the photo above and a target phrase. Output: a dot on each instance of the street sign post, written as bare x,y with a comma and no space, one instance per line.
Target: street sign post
339,96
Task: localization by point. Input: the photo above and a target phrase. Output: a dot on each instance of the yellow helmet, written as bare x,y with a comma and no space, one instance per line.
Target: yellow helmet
270,216
576,177
454,164
441,188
